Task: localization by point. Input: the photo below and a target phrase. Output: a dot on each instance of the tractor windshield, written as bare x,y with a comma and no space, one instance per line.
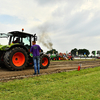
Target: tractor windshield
18,39
26,41
23,40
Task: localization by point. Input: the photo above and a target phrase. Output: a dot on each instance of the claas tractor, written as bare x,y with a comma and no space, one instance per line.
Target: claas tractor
16,55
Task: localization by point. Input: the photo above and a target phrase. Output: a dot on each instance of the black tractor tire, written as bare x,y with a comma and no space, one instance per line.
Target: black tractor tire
72,58
44,61
50,58
30,64
16,58
2,65
54,58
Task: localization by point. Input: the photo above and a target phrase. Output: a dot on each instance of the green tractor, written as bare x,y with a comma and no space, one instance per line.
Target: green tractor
16,55
55,57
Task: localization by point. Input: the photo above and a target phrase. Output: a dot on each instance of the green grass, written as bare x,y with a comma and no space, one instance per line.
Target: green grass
73,85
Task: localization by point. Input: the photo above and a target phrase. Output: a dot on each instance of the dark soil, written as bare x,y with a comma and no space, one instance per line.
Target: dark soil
54,67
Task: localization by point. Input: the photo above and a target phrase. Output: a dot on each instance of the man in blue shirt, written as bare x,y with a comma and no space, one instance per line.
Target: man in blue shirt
35,49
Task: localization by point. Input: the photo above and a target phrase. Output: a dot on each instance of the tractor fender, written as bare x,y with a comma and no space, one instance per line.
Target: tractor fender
41,53
17,45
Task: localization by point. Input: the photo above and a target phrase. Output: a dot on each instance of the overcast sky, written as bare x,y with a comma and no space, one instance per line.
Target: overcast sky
68,24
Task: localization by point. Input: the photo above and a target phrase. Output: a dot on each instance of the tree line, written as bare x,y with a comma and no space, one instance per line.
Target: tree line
53,51
94,52
86,52
76,52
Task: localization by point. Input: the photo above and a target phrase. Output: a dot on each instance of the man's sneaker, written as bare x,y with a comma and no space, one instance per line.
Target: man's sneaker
34,74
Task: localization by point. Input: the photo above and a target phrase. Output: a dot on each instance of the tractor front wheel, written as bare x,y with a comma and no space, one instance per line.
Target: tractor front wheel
44,61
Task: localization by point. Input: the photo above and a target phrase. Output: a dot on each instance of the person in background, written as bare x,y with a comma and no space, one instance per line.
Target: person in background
35,49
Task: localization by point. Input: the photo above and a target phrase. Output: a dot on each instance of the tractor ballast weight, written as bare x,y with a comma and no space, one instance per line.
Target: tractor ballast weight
16,55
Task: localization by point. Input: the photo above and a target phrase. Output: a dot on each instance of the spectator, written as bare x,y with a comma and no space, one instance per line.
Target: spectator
35,49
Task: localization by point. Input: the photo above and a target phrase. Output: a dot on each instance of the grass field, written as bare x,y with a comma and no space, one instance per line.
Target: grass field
73,85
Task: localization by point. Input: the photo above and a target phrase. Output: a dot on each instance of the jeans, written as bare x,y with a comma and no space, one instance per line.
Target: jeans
36,61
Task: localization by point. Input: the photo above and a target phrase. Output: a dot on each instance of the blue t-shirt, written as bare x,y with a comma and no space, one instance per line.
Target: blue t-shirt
35,50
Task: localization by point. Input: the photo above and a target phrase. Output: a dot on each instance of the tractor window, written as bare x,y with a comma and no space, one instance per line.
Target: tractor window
15,39
26,41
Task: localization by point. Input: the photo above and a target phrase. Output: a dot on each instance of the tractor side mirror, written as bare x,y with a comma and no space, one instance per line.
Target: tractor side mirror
34,37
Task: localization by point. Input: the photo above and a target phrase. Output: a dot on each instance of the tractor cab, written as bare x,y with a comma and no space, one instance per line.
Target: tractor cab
21,38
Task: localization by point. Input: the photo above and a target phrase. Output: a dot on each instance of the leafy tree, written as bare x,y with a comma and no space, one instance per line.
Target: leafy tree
73,51
98,52
80,51
86,51
93,52
52,51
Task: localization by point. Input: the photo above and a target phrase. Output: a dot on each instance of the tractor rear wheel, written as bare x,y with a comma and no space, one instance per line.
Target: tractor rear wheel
2,65
16,59
44,61
54,58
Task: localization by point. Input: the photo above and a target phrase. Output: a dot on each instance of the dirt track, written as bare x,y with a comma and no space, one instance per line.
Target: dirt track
55,66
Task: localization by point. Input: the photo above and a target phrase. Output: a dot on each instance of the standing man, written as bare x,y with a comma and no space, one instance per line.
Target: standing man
35,49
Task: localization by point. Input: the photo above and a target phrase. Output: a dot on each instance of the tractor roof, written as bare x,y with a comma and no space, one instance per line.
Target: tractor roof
17,33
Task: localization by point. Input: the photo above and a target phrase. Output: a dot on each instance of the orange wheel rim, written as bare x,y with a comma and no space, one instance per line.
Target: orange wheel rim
45,61
18,59
59,58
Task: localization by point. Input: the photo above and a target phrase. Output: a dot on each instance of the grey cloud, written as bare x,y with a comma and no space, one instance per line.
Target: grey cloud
54,2
72,30
48,2
78,22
